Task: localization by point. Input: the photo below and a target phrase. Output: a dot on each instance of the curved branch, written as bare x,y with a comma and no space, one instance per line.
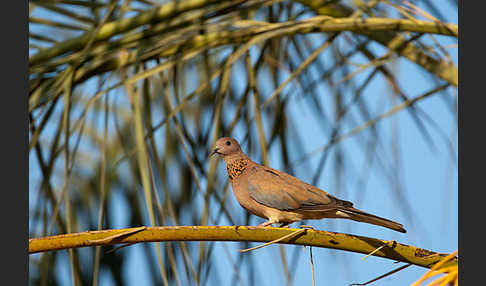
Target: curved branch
247,30
318,238
108,30
391,40
316,24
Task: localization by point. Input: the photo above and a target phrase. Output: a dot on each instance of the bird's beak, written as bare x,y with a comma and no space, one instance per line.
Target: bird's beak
215,151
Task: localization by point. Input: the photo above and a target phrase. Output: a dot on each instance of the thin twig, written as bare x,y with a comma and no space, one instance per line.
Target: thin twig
290,235
371,253
382,276
312,267
126,233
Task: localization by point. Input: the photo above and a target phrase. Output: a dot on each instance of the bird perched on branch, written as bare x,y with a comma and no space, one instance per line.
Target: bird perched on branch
281,198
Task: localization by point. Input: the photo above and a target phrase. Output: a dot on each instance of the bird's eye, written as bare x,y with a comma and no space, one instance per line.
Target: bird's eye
228,143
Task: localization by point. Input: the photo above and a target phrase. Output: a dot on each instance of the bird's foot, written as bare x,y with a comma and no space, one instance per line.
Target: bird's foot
264,224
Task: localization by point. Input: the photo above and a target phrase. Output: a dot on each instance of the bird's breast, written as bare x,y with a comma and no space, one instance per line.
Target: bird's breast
240,189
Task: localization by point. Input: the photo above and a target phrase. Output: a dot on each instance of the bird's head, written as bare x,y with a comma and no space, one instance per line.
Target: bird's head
226,146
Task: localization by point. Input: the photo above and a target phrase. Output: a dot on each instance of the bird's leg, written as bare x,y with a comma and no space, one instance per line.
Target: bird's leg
284,224
267,223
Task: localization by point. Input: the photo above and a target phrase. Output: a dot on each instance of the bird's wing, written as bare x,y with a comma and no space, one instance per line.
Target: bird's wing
282,191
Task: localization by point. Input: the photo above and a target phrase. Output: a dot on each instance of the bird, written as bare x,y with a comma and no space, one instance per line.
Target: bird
281,198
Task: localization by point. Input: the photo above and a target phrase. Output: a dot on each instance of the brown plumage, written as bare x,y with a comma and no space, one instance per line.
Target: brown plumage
282,198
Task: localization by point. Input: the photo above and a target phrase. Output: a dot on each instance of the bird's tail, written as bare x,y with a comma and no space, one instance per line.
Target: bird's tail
362,216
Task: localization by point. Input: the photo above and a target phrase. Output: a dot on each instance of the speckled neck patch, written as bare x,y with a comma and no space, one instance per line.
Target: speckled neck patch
236,168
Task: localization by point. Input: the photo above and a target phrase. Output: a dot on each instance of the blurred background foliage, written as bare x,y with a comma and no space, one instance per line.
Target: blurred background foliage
127,97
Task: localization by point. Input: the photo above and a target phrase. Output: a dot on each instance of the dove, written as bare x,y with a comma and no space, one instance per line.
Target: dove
281,198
